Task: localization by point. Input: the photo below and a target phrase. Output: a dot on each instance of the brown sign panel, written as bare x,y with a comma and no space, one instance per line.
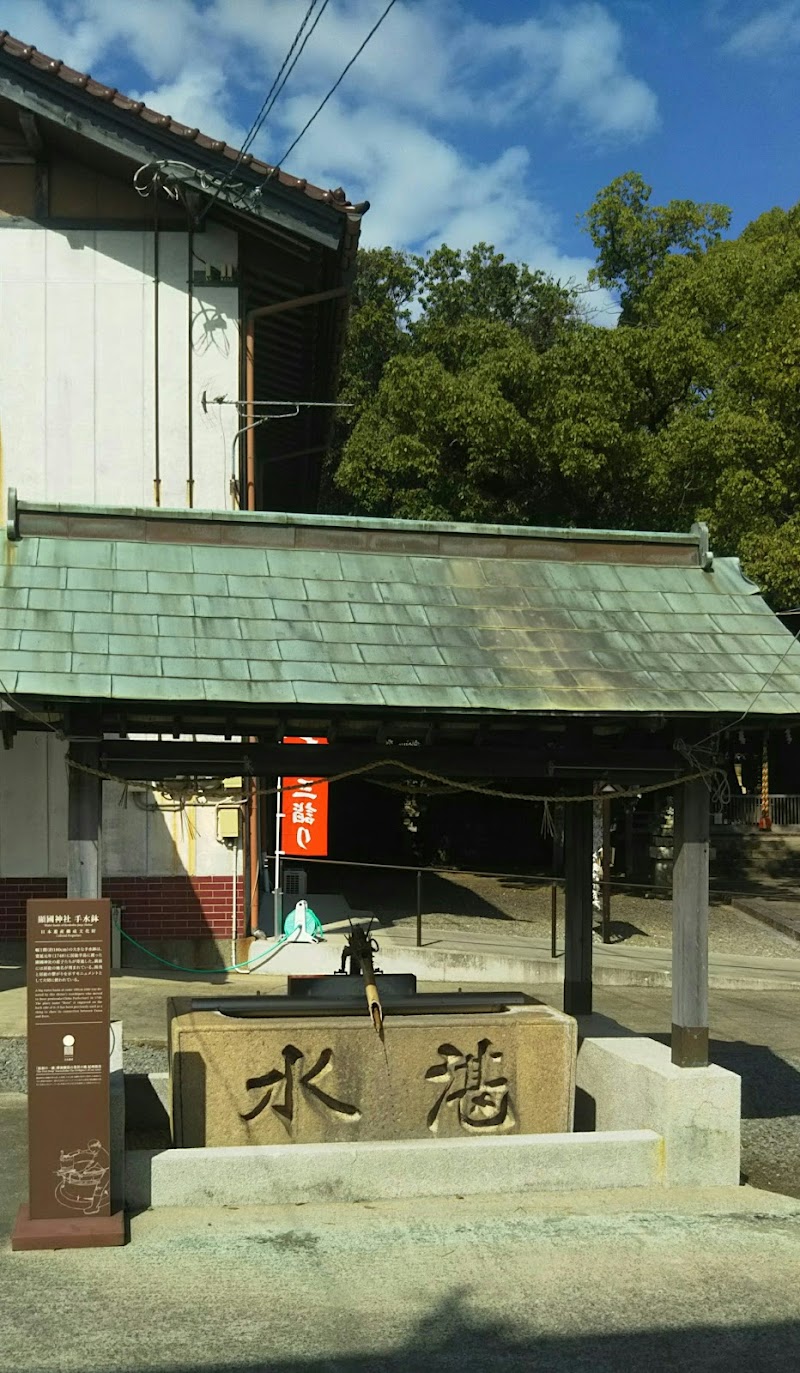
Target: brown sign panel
69,1017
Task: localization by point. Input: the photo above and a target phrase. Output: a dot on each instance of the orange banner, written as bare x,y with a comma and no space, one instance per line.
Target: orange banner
304,826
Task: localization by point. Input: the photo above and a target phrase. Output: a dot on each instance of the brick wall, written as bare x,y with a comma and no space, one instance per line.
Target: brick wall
155,907
15,891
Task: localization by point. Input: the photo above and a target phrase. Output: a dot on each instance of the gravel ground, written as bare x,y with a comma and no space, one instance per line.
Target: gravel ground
137,1058
520,908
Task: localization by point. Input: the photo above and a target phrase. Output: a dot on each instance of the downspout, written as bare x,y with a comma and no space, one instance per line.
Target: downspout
156,366
234,911
190,374
250,504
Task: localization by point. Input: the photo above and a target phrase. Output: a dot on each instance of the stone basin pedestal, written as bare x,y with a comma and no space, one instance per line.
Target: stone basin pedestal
330,1079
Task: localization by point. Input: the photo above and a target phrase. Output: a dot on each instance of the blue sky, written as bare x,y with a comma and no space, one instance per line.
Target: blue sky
484,119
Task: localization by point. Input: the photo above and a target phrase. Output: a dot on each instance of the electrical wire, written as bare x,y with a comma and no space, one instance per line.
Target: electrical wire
270,98
337,83
267,108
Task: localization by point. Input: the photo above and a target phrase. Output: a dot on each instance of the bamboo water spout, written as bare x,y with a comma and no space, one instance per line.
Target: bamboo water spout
360,948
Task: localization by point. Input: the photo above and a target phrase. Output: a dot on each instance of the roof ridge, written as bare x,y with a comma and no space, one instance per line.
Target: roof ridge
61,517
51,66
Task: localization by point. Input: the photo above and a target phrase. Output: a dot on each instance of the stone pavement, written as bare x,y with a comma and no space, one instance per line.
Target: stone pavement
701,1282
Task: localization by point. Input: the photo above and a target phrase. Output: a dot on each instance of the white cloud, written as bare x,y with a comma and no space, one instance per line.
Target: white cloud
425,191
399,131
571,66
770,32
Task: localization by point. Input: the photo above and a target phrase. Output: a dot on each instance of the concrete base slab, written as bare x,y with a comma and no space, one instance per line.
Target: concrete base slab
386,1170
84,1232
630,1083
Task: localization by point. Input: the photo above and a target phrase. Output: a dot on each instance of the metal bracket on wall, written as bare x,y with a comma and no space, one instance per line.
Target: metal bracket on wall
12,516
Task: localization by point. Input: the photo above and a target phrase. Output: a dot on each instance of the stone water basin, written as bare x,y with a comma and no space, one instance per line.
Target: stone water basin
302,1071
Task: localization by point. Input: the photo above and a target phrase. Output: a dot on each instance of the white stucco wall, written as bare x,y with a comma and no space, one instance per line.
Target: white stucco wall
77,376
77,424
139,839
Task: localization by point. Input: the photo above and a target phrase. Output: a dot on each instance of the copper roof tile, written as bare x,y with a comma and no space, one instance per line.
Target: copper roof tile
27,53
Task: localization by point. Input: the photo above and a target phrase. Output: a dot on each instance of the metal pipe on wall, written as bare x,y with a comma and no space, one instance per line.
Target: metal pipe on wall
250,504
249,395
190,372
260,311
156,364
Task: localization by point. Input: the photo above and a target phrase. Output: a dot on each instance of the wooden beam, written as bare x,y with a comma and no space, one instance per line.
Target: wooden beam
32,133
141,759
84,825
578,907
690,926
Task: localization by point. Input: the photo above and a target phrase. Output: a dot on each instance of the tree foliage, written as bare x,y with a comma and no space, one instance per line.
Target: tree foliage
480,393
633,238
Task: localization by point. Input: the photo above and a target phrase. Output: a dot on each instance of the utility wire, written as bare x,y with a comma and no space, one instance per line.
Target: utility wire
269,104
337,83
270,98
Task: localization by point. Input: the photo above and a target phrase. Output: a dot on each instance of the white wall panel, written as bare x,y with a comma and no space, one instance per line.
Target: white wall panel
215,367
77,424
124,833
137,840
122,305
57,790
173,332
23,315
77,366
69,393
24,808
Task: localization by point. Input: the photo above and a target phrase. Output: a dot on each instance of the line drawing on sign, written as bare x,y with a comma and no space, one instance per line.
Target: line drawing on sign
83,1178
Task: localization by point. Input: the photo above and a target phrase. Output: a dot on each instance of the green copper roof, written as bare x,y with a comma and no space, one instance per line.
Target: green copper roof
614,623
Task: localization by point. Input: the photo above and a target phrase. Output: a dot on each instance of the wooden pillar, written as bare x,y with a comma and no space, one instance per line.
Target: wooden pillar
578,831
84,825
690,927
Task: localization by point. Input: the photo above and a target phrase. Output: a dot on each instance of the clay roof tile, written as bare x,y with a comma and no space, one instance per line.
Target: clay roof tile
26,52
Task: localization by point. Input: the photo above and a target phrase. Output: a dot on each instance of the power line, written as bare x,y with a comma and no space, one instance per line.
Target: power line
269,104
271,97
337,83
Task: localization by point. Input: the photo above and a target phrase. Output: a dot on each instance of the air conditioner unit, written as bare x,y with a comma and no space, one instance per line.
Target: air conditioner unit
295,882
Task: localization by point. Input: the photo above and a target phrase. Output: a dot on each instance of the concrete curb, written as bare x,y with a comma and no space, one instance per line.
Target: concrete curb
759,910
458,966
388,1170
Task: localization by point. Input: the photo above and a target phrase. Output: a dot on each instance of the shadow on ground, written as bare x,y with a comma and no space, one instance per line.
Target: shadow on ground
620,930
392,894
452,1340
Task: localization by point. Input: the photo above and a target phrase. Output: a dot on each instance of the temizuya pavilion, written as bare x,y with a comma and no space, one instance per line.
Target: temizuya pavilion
471,641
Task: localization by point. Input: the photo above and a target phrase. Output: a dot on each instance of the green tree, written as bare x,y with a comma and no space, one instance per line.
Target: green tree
482,284
634,238
731,452
484,396
445,434
385,284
